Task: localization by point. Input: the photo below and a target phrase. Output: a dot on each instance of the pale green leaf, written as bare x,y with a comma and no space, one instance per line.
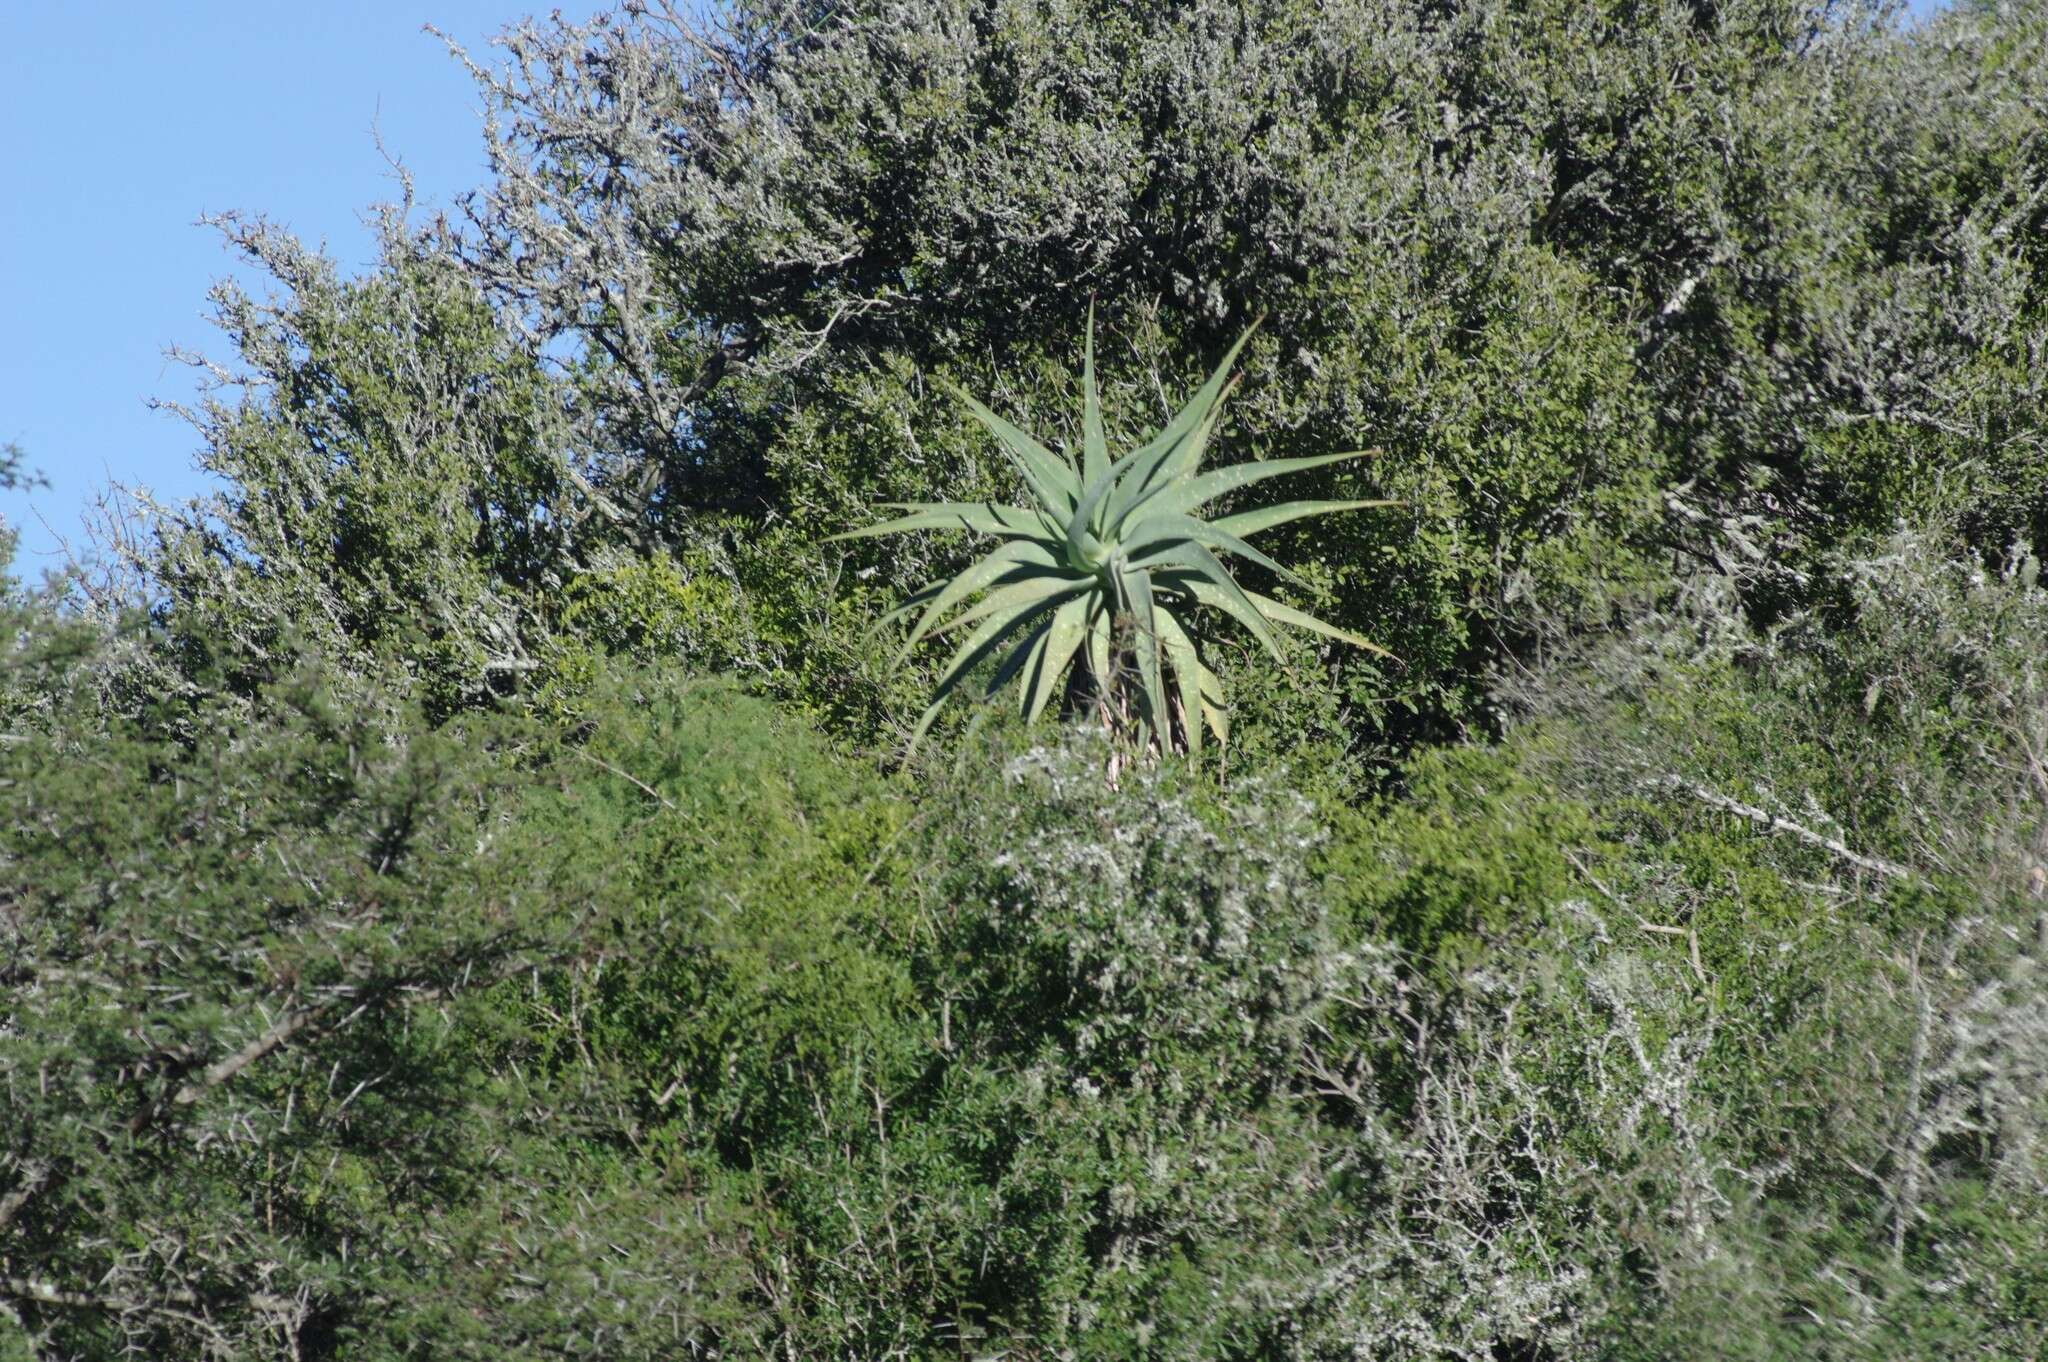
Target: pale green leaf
1266,517
1051,586
1200,564
1206,487
1006,558
1274,611
1021,657
1094,445
1135,587
983,518
1051,479
1101,627
1187,673
1143,467
1157,531
1063,638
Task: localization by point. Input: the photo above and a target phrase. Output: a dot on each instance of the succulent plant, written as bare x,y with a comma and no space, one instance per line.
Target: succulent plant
1114,539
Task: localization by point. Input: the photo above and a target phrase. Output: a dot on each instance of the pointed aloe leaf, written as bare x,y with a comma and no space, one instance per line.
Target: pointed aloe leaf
1198,564
1187,454
1063,638
1149,471
1051,586
1210,688
1187,674
1159,531
1005,559
1206,487
1101,622
971,653
1020,658
1212,707
985,517
1266,517
1081,525
1301,619
976,647
1193,412
1276,612
966,657
1050,478
1094,445
1016,519
1134,585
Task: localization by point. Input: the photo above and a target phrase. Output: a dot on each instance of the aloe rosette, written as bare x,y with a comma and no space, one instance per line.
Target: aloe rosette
1113,537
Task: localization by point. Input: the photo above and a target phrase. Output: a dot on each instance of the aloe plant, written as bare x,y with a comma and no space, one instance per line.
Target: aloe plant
1114,539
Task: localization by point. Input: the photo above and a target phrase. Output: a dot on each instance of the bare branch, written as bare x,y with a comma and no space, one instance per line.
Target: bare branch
1772,822
34,1173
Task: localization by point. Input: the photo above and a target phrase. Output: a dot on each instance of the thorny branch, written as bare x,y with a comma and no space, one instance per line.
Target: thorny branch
1772,822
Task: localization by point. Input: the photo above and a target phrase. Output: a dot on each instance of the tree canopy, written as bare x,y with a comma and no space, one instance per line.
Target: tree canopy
465,890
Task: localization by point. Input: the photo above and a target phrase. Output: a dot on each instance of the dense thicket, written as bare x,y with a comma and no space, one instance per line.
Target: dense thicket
473,904
1716,985
1604,284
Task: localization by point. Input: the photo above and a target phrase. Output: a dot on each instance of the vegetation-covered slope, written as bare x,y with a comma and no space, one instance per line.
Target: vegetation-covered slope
463,892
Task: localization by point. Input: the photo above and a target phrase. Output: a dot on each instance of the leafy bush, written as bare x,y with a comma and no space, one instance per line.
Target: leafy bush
400,485
291,1004
1608,291
1574,1045
410,947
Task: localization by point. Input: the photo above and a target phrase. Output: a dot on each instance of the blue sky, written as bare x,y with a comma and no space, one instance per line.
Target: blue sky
121,124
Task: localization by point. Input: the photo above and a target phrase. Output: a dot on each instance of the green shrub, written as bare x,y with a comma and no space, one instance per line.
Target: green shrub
295,1052
1700,1015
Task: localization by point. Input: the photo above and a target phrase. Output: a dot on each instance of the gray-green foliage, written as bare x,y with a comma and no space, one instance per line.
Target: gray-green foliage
1126,984
278,1079
1548,1055
1607,285
1611,291
400,479
1701,1016
15,475
1843,820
